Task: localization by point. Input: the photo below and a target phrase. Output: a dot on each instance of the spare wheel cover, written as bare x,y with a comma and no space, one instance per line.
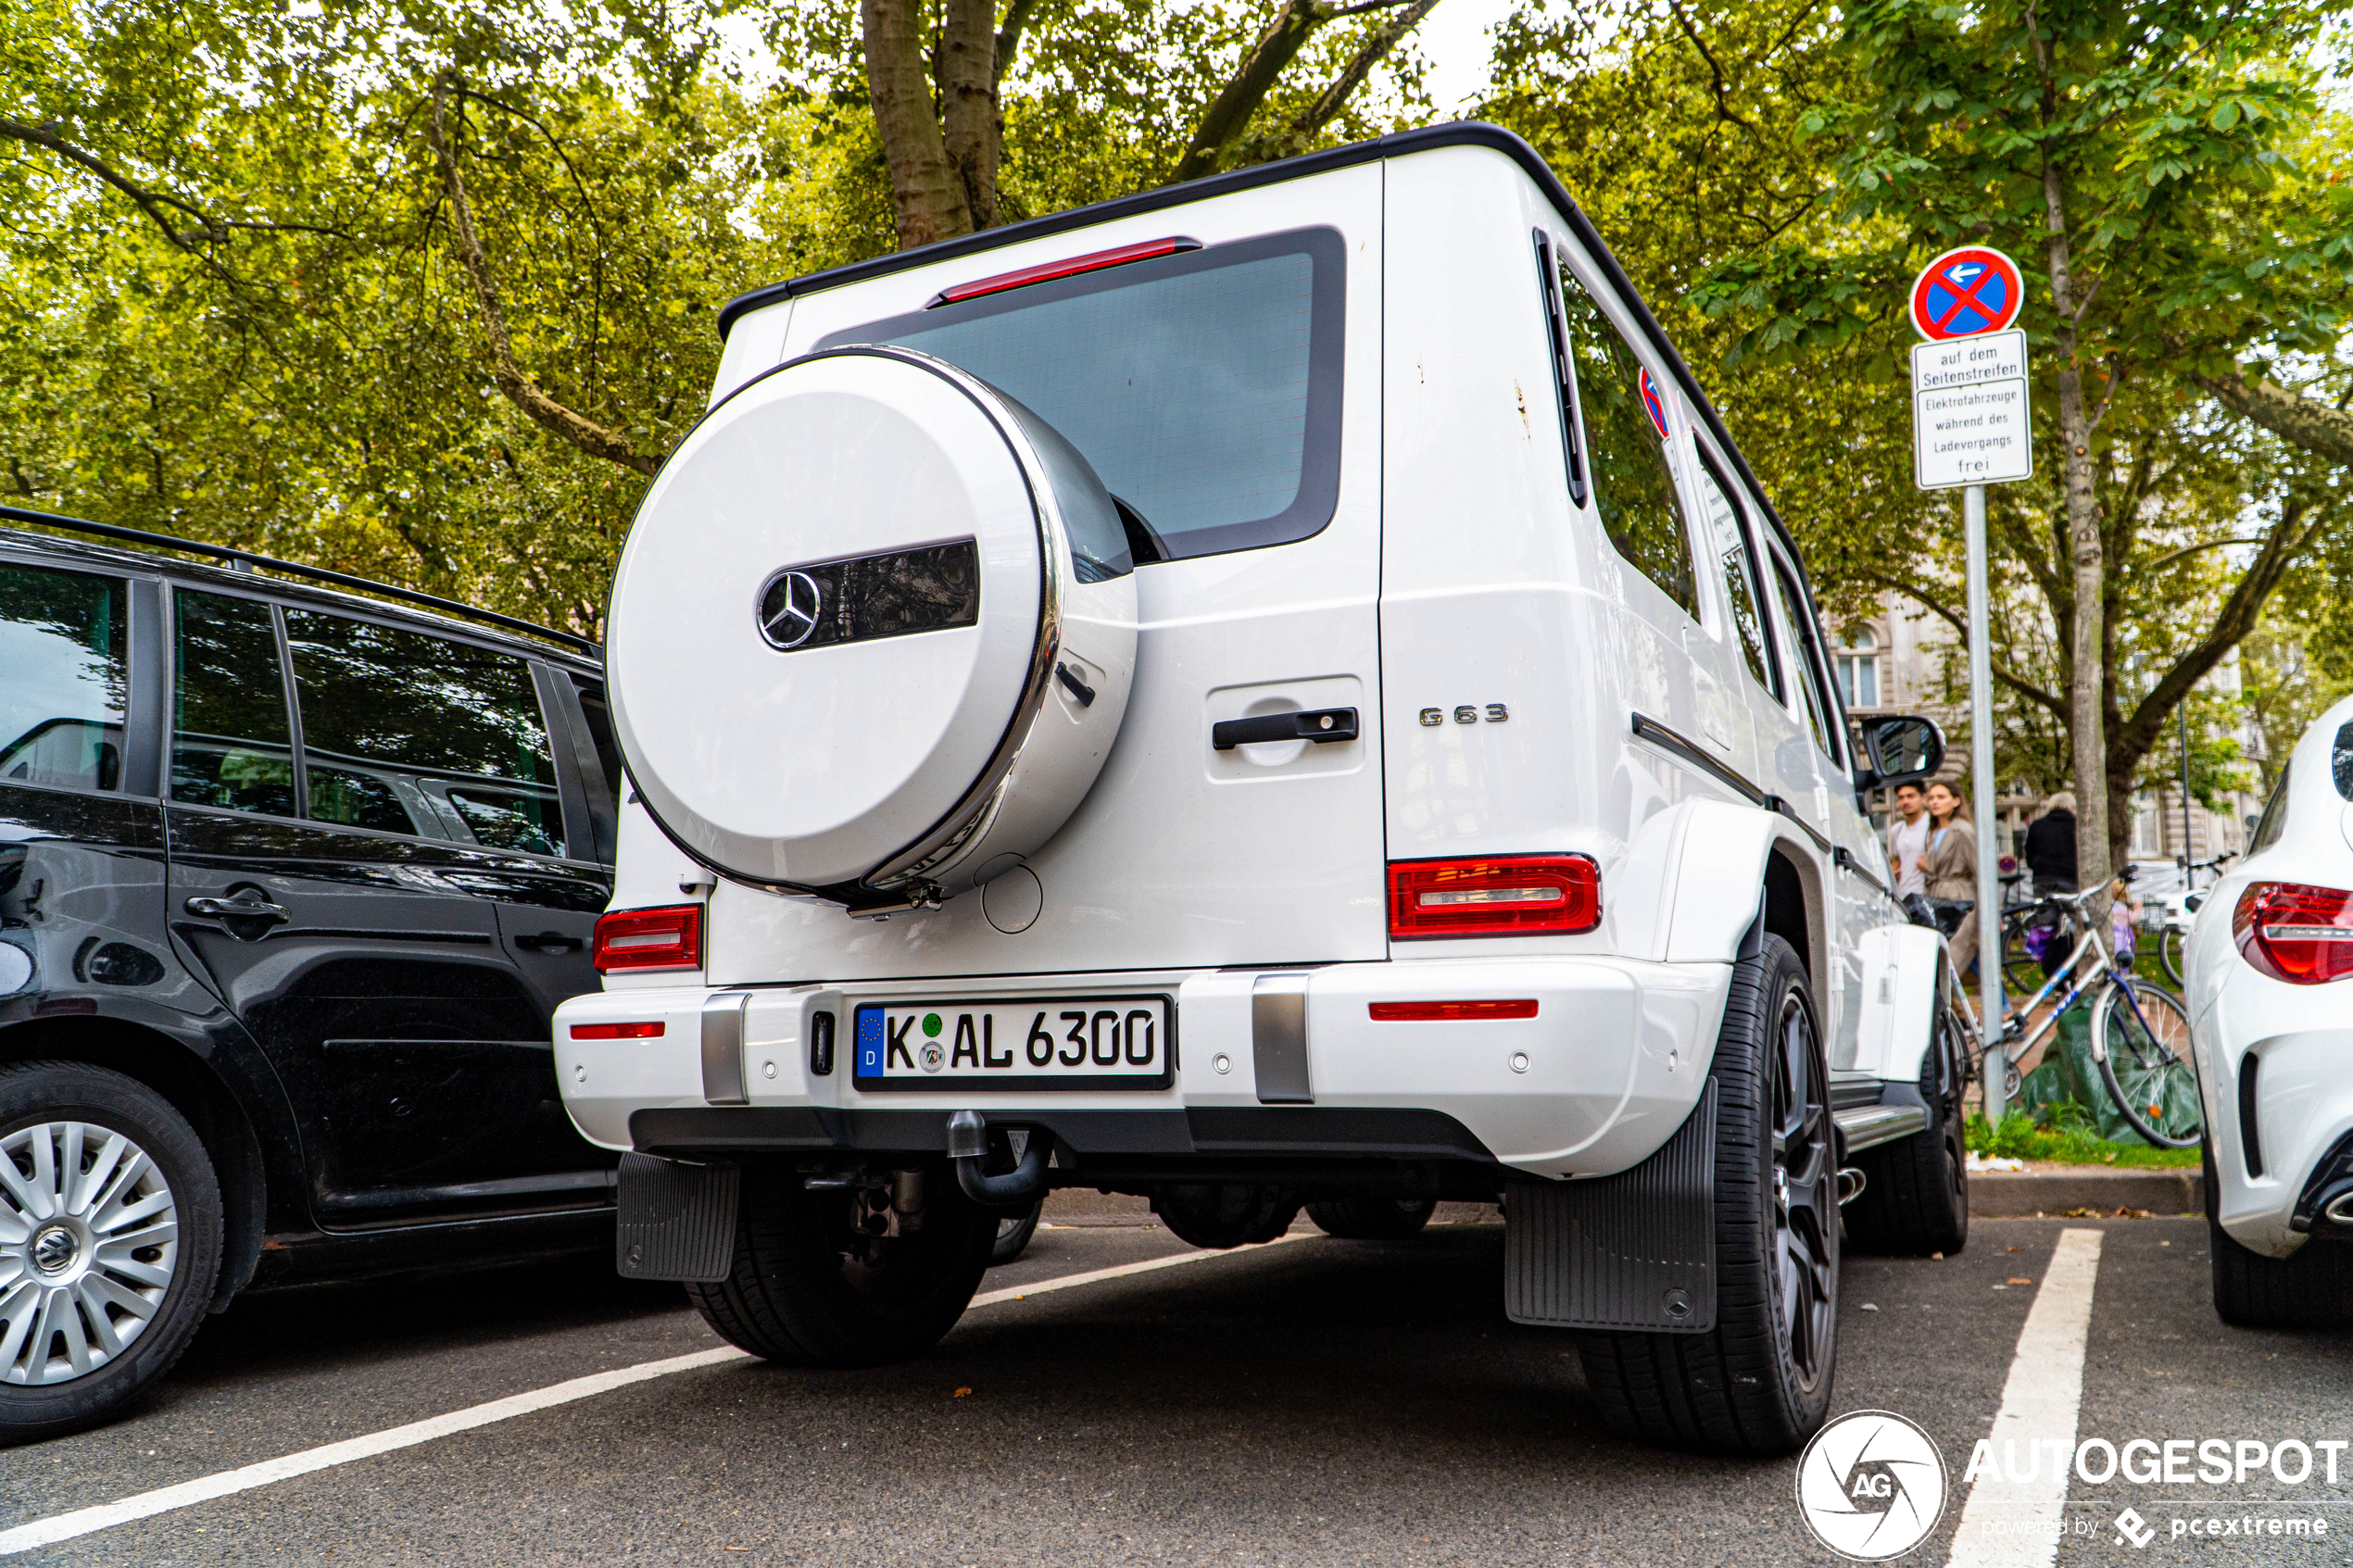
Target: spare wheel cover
795,739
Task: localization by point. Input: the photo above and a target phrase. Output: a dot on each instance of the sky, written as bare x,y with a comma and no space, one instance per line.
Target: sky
1454,40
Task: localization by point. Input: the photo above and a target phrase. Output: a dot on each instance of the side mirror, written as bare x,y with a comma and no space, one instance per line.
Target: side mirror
1905,748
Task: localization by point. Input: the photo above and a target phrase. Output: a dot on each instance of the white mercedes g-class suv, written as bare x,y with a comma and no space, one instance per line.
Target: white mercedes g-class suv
1278,691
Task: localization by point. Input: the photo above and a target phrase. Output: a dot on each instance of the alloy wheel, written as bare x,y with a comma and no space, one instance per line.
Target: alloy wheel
1804,1181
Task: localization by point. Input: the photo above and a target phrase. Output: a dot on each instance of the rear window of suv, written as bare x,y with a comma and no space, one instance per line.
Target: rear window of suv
1204,386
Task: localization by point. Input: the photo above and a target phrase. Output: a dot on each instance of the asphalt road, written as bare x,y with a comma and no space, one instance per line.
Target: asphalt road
1314,1402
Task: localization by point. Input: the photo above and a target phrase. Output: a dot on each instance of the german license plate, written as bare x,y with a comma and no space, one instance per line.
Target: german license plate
1030,1043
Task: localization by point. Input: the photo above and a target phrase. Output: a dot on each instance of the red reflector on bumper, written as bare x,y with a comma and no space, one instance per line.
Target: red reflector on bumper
1506,895
616,1030
1429,1012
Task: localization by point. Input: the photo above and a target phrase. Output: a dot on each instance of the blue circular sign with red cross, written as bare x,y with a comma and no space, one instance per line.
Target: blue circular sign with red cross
1653,404
1966,292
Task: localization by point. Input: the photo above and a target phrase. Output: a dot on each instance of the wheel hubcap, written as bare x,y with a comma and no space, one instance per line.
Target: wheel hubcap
1805,1194
89,1238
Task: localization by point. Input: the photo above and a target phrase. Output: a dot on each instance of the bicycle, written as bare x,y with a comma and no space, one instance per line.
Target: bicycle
2140,1034
2178,915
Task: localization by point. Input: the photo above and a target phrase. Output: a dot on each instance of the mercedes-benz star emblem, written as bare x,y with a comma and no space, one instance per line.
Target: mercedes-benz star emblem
788,609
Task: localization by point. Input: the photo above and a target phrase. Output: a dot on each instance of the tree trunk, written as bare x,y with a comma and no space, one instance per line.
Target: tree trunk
972,129
2086,683
926,192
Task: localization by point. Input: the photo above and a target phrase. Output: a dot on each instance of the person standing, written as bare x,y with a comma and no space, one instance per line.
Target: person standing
1908,840
2050,844
1949,866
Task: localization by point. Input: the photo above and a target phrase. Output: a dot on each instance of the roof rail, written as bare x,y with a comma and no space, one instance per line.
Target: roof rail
247,560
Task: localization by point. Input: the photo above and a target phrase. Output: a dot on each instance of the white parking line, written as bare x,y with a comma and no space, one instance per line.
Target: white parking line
2015,1523
164,1499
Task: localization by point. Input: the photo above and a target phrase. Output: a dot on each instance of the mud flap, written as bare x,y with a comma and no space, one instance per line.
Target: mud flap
1636,1250
677,1221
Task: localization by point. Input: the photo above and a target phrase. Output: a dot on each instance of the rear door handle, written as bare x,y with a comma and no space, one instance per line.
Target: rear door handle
549,942
239,909
1322,725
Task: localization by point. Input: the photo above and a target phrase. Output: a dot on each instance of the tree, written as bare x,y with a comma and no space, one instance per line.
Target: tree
936,83
1784,176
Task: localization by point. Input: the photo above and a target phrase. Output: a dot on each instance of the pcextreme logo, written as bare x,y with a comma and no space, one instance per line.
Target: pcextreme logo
1870,1485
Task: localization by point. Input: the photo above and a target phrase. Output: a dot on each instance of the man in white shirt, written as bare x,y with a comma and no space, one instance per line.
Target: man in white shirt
1908,840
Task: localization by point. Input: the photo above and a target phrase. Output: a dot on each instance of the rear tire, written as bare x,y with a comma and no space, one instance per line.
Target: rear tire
805,1290
1225,1215
2312,1288
1372,1219
1759,1382
163,1259
1915,1196
1014,1232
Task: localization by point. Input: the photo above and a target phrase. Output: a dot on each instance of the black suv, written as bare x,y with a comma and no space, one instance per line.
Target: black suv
290,881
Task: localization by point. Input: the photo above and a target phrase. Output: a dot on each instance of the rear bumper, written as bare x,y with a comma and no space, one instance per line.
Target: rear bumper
1604,1073
2298,1115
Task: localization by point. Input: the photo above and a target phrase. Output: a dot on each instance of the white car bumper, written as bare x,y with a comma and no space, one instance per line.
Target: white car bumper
2301,1106
1610,1065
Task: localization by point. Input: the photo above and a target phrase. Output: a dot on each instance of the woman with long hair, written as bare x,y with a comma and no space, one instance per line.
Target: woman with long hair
1949,867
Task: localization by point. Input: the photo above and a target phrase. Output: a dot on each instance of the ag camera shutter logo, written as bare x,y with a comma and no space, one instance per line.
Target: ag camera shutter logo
1870,1485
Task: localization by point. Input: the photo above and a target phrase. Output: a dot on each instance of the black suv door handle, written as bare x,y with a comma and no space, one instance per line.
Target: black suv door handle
242,908
549,942
1322,725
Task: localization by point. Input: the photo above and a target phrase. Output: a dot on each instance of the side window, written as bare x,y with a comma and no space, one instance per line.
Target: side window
599,716
1807,657
1728,540
231,745
1622,457
63,678
2273,825
413,734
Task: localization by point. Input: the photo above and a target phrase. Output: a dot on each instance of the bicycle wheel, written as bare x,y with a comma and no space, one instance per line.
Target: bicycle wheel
2144,1033
2168,955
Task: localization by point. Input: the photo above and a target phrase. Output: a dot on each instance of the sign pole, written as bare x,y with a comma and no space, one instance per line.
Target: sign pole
1981,724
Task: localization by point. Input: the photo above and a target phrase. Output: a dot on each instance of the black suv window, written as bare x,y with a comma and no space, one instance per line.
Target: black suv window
402,729
599,714
62,678
1203,386
231,745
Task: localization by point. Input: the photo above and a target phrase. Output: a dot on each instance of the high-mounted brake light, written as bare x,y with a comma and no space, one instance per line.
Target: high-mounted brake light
670,938
1046,272
617,1030
1503,896
2295,932
1439,1012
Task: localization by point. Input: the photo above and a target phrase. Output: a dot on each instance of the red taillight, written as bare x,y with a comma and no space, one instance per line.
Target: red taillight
665,938
1512,896
1094,261
616,1030
2294,933
1433,1012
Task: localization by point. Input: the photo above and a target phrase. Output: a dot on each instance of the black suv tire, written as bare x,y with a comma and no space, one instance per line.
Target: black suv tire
2311,1289
1759,1382
1372,1219
36,1093
1915,1196
802,1293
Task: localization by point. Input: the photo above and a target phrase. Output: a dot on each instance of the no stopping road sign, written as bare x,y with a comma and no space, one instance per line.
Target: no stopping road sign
1966,292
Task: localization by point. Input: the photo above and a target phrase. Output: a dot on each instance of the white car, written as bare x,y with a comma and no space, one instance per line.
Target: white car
2271,1026
1279,691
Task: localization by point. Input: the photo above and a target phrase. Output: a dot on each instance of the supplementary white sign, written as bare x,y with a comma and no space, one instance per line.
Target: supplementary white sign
1971,422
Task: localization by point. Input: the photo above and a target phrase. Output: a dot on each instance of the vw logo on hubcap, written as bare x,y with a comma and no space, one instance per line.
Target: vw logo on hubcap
53,1250
788,609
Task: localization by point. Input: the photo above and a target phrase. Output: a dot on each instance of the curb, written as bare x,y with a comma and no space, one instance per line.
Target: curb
2064,1189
